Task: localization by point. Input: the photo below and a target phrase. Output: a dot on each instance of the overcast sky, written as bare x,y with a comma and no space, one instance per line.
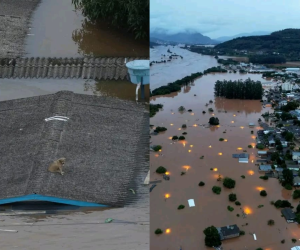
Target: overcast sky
216,18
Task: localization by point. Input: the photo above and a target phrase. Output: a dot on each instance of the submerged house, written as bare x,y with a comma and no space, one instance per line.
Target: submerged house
288,214
104,141
228,232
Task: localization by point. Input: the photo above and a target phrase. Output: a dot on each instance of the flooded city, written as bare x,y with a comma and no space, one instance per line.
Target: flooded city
203,157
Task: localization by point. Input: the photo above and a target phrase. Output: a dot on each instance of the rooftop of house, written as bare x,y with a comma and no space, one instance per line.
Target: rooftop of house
229,230
288,213
265,167
296,153
102,141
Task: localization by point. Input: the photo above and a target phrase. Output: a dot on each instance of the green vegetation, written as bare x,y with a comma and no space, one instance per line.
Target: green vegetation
288,187
239,89
133,16
259,248
232,197
227,62
157,148
181,207
216,190
250,146
217,69
267,59
296,194
161,170
271,222
228,182
212,237
260,146
202,157
283,241
175,86
282,204
284,42
214,121
263,193
182,173
237,203
160,129
242,232
229,208
221,139
158,231
288,177
175,137
294,240
154,108
290,106
181,109
260,206
184,133
243,176
264,177
181,138
210,110
201,183
183,126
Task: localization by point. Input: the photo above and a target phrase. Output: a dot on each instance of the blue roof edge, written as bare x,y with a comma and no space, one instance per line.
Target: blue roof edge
50,199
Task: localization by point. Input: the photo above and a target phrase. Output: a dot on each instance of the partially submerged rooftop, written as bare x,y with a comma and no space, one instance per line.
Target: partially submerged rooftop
104,142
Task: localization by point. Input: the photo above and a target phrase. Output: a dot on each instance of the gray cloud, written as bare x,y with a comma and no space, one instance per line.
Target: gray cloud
217,18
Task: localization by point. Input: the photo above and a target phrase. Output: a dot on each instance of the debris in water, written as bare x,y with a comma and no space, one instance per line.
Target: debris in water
108,220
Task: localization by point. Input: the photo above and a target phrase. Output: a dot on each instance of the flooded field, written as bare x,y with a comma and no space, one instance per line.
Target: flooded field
16,88
58,30
186,226
164,73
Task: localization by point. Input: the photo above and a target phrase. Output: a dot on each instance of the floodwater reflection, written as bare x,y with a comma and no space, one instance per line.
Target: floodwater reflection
60,31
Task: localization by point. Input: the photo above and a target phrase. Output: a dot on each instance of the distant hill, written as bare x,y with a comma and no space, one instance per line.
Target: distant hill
257,33
286,42
152,44
184,37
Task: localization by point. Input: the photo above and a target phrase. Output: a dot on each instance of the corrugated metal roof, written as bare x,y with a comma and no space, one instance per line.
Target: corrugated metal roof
243,160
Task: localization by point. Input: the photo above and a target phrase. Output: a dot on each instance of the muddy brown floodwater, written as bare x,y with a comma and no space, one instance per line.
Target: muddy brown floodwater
58,30
22,88
186,226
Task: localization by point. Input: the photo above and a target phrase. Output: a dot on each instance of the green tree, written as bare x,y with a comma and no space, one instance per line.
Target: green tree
228,182
232,197
288,177
132,15
296,194
213,121
212,237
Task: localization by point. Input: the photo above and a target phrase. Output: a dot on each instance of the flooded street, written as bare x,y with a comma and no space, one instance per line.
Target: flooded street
16,88
164,73
57,30
187,225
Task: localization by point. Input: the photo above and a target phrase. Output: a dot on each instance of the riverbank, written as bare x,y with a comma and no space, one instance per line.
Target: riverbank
186,226
15,17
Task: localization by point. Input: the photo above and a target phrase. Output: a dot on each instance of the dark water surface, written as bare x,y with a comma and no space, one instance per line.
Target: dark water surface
22,88
60,31
186,226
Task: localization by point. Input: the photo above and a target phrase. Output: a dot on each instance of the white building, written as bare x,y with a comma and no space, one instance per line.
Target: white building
296,156
287,86
292,69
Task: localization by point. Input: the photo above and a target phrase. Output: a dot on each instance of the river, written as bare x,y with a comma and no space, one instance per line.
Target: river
186,226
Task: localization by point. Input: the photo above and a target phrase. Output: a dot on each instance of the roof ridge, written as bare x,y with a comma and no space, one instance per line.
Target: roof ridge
51,136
